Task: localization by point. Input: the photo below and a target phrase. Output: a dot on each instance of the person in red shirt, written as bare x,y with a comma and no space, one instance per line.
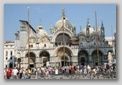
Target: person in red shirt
9,73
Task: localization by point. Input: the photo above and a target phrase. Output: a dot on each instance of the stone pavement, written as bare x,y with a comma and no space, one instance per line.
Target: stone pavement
71,77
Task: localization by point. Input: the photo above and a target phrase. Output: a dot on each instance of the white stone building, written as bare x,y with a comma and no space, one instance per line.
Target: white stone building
36,48
9,52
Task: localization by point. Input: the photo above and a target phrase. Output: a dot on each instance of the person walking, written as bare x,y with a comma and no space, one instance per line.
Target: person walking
15,72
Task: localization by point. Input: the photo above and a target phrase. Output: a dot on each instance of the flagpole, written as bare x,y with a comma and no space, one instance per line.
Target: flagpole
97,38
63,16
28,13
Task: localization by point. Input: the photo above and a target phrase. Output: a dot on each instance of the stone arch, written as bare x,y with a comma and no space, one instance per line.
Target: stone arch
64,49
62,38
32,59
83,57
61,46
64,55
45,57
60,32
97,57
11,65
110,51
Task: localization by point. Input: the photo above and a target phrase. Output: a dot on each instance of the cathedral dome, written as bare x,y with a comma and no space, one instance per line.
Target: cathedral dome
64,22
41,32
91,29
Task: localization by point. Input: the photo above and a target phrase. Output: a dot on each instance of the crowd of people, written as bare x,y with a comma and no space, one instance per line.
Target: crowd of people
65,72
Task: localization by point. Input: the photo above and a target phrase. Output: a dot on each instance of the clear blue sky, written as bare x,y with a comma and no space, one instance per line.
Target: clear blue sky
48,14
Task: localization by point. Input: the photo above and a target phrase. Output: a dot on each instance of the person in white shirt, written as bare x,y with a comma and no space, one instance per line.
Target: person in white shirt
56,71
15,71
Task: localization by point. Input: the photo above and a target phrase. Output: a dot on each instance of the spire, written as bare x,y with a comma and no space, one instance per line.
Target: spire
102,29
87,27
96,21
102,24
63,14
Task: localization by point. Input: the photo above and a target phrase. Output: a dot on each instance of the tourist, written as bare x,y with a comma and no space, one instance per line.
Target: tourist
15,73
9,73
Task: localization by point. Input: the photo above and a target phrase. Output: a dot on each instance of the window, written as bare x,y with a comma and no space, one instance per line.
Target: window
11,53
30,46
6,58
63,38
6,53
10,58
44,45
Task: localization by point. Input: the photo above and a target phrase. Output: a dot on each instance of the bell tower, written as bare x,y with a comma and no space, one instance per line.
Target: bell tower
102,31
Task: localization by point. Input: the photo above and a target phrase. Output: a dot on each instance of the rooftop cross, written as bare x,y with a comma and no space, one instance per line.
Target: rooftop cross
63,14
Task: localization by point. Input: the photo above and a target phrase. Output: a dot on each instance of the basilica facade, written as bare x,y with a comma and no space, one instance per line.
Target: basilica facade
34,47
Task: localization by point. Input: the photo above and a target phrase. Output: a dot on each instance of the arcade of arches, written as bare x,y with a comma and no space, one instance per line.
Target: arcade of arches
96,57
44,55
64,55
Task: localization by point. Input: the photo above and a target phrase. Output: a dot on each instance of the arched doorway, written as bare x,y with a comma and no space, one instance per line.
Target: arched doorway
45,57
11,65
31,59
97,57
64,55
64,61
82,60
83,57
62,38
12,62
